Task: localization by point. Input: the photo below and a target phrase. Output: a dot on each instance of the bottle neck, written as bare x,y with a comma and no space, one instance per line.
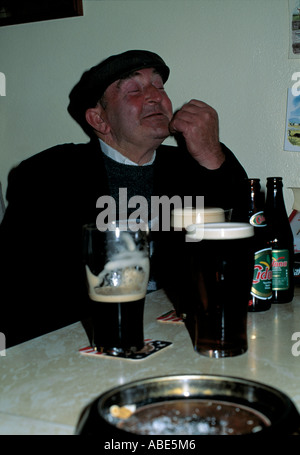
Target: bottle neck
254,194
275,202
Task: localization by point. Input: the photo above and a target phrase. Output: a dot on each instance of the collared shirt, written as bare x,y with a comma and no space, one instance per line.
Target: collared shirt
117,156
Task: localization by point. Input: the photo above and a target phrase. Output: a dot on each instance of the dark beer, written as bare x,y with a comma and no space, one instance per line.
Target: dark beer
118,312
117,271
175,252
221,270
118,326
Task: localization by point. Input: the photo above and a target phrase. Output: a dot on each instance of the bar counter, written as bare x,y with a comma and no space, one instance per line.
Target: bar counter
46,382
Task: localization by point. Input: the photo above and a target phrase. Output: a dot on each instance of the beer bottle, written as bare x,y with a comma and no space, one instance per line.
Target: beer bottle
261,289
281,241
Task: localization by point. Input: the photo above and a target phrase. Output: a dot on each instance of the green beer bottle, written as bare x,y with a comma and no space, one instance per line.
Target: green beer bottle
281,241
261,289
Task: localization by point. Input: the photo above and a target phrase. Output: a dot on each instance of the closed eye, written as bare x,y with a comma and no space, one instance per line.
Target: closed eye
159,87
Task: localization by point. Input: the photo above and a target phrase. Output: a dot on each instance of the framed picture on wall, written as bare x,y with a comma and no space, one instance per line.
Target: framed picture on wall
294,31
292,128
19,11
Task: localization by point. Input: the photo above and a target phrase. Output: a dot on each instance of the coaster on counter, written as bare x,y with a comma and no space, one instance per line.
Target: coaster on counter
151,347
170,317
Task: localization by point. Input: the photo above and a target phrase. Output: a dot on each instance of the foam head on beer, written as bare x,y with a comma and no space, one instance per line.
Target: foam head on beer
219,231
125,274
181,218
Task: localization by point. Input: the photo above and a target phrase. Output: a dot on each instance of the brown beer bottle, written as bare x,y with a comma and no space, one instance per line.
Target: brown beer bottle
281,241
261,289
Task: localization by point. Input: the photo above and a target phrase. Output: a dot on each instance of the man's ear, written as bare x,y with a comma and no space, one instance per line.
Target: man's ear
95,118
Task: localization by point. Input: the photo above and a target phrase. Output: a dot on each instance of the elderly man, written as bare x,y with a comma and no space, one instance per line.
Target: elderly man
122,104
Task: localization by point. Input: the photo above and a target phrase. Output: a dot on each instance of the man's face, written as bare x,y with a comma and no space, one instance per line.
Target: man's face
137,111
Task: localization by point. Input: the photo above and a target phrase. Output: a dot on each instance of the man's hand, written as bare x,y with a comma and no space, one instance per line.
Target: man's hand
199,125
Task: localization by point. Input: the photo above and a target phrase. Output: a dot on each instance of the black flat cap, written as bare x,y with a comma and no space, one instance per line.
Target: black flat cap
95,81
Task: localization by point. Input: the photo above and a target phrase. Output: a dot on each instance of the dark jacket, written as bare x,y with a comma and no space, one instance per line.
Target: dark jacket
50,197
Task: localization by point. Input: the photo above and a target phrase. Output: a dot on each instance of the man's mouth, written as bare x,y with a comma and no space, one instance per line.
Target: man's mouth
155,114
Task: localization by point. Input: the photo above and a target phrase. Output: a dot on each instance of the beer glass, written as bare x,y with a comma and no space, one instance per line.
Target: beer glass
219,273
175,252
181,218
117,271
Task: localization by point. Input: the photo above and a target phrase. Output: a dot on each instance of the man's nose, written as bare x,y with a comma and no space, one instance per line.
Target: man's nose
153,94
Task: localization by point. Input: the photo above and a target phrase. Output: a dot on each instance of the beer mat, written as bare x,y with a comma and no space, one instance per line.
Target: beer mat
151,347
170,317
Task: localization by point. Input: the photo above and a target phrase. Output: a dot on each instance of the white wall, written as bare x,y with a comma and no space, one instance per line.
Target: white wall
232,54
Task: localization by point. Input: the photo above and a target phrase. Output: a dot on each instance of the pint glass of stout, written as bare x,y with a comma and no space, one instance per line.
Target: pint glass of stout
117,271
175,254
220,269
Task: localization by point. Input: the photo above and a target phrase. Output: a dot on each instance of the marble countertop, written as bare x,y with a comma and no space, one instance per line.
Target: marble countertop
45,383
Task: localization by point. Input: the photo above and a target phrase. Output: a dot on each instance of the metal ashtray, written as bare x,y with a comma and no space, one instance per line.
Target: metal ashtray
191,405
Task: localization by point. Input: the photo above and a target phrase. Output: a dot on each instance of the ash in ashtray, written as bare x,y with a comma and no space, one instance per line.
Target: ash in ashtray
194,417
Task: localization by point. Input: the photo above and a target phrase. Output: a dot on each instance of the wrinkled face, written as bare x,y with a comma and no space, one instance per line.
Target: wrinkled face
137,110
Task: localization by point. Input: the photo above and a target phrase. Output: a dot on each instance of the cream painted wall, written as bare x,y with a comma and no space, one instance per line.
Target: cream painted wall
232,54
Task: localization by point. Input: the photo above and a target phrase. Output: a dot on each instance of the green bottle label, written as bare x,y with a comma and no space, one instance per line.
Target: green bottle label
262,276
280,269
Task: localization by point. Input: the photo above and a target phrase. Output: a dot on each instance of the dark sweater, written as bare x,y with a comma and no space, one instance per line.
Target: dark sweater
138,180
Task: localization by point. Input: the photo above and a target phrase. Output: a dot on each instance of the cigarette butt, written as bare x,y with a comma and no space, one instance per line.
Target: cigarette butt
121,412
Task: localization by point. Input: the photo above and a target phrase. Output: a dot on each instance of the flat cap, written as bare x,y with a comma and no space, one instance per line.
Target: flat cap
95,81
